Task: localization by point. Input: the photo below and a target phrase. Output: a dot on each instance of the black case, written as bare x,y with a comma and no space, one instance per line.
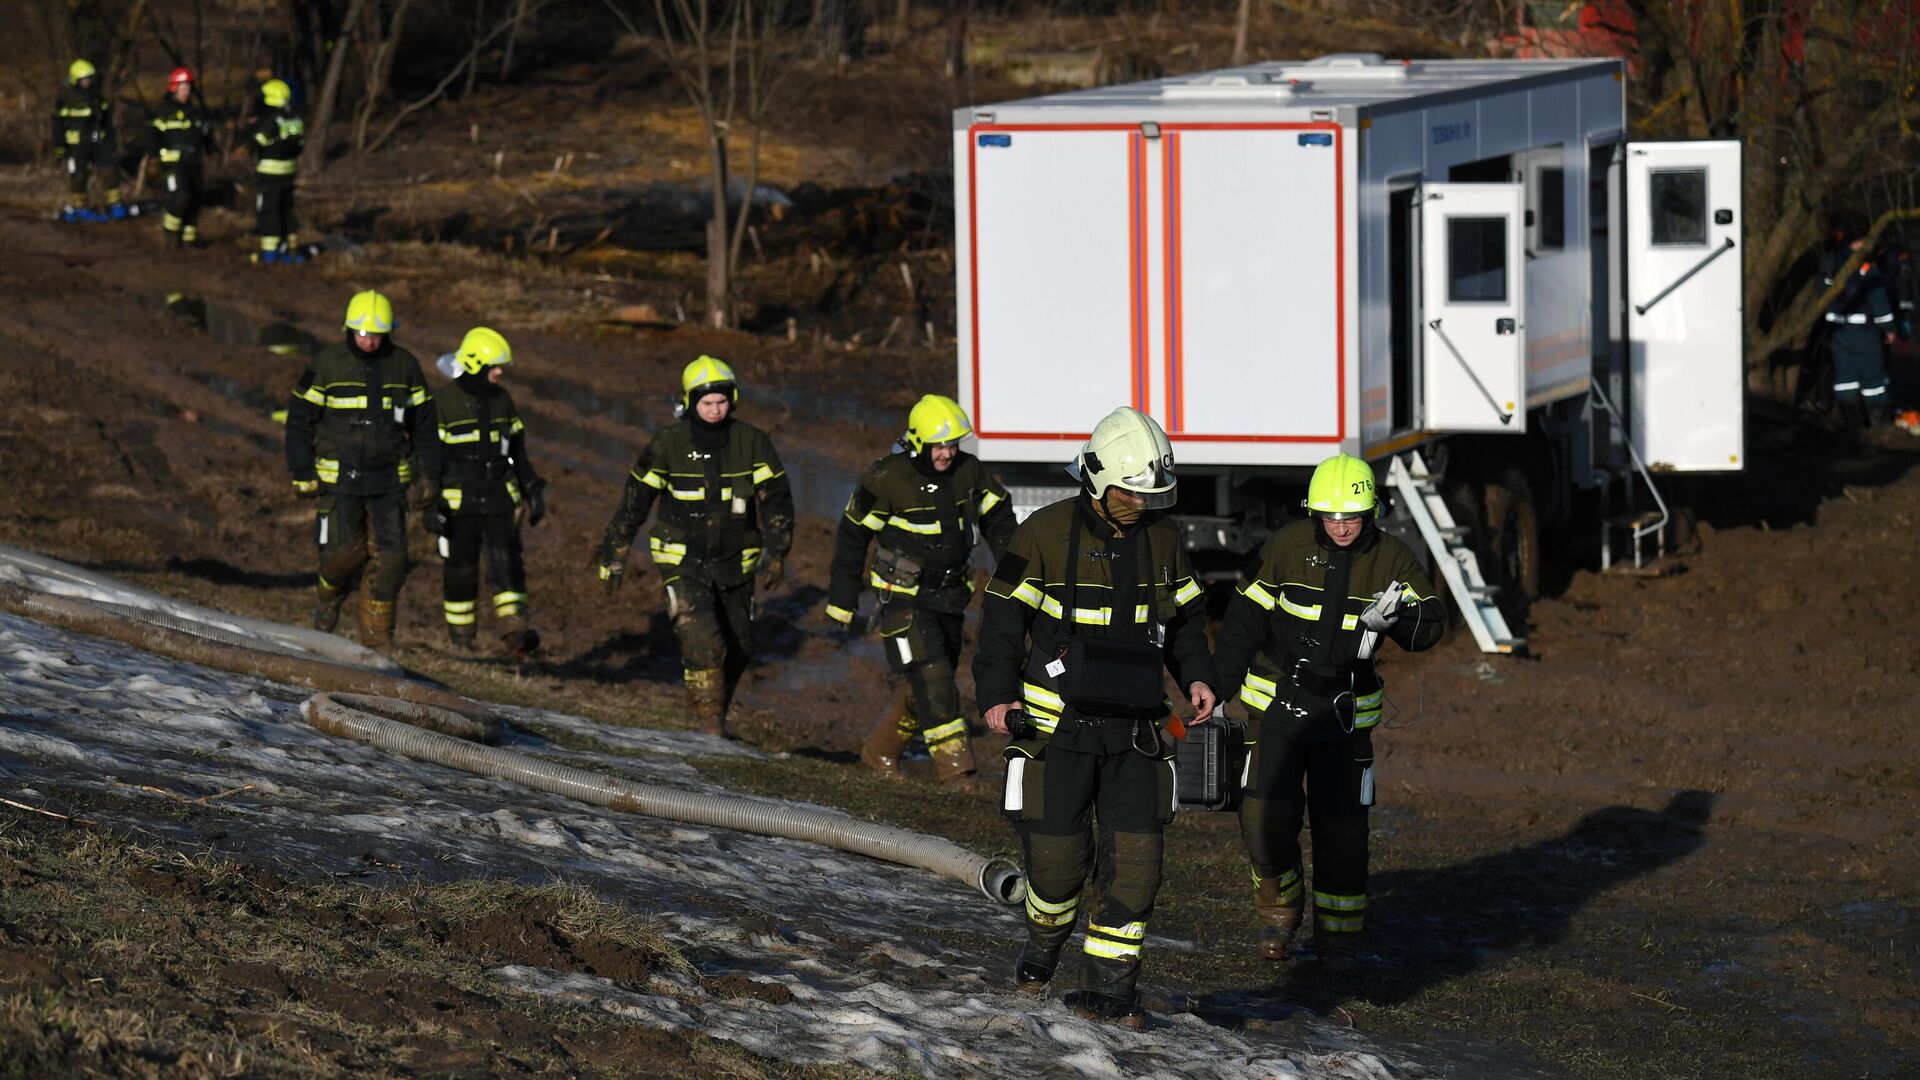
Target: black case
1206,766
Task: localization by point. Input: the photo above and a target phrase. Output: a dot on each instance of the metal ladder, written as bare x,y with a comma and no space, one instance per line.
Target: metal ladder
1448,541
1651,523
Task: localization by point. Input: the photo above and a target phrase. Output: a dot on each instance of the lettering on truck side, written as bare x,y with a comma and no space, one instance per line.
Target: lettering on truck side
1446,133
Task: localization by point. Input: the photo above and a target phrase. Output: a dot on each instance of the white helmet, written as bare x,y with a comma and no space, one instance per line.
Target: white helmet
1128,450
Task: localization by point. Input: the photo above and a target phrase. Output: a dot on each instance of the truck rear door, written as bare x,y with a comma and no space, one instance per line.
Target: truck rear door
1685,302
1473,294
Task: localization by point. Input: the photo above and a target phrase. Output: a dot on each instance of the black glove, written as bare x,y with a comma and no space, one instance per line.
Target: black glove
536,501
611,573
435,518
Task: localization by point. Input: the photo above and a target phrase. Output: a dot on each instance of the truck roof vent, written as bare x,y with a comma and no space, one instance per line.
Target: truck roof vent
1346,68
1232,86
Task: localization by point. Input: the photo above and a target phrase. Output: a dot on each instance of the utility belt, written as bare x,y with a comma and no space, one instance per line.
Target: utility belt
895,573
1322,681
468,472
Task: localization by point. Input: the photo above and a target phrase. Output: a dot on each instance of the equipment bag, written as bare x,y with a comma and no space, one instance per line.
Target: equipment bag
1109,676
1207,765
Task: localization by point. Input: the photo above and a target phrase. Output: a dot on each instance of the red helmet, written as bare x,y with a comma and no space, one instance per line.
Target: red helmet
180,77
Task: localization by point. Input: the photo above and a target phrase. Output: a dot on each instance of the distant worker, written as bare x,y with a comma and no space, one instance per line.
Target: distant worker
923,507
83,130
178,137
728,515
487,486
276,136
1092,598
1299,641
360,416
1860,324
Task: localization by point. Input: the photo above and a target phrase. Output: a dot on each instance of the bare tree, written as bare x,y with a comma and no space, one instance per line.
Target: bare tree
379,66
1240,21
1824,100
314,156
726,55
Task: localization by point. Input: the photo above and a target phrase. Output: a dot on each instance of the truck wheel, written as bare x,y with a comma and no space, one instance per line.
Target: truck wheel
1513,539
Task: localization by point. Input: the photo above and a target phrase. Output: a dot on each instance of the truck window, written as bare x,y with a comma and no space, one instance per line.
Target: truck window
1476,259
1678,201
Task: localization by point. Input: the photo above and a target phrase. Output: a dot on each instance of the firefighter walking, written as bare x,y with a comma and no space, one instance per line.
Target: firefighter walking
83,130
276,136
1299,640
922,508
178,138
1092,598
1860,324
487,486
727,514
360,415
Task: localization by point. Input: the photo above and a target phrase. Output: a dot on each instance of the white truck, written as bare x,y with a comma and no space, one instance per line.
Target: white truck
1460,270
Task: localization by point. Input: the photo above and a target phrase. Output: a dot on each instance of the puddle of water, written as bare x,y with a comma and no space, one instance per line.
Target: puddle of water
231,326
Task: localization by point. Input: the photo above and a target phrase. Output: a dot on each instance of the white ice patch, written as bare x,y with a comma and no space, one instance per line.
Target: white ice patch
886,966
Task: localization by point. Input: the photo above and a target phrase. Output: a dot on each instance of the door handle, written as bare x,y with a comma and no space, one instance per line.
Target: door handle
1642,309
1505,416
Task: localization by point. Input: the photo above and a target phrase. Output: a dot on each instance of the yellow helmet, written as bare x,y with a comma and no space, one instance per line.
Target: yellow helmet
276,93
1342,488
370,313
481,349
935,419
1129,450
78,70
708,375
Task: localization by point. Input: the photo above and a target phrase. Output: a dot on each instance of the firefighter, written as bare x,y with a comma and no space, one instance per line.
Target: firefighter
1299,639
1092,598
178,136
83,130
487,487
924,507
728,514
360,415
276,135
1860,326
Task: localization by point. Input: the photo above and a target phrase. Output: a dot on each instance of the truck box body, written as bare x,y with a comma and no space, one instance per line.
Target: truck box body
1284,261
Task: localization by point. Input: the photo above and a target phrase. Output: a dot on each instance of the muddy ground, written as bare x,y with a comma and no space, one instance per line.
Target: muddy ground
1679,838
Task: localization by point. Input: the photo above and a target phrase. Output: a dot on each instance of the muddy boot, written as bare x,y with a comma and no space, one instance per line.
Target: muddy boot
462,636
1280,908
326,606
881,751
1034,970
952,755
376,624
521,641
1336,954
1107,1008
708,688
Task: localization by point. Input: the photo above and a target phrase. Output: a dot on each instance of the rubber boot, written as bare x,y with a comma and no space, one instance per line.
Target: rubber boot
1034,969
522,640
1107,1008
881,751
708,688
462,636
326,606
953,763
376,624
1336,954
1279,918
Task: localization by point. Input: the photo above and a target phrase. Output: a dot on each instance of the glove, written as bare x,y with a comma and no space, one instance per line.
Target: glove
536,502
307,489
841,621
610,575
434,518
425,494
1384,610
773,570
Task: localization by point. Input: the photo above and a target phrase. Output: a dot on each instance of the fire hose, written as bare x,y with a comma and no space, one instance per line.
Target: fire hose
998,879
